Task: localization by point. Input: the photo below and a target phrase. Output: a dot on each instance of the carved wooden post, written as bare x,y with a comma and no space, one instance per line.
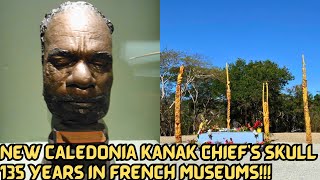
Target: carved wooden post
265,106
228,97
177,107
305,103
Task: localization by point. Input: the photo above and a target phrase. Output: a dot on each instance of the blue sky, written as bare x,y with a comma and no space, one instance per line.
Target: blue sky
250,29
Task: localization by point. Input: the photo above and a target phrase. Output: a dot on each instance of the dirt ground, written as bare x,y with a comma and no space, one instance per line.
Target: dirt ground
275,137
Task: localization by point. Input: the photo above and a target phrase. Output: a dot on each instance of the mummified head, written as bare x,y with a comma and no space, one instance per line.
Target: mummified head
77,62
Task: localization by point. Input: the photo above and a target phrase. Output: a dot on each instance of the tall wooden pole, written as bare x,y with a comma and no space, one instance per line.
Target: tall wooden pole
177,107
228,97
265,106
267,123
305,103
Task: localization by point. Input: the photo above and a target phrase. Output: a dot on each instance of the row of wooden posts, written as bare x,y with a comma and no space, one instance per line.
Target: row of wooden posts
265,105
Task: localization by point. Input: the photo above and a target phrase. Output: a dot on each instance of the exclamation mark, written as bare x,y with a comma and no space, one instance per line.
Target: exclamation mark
265,171
269,171
261,171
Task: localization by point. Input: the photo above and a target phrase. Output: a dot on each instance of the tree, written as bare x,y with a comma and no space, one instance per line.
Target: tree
315,112
246,87
168,60
197,86
204,94
290,116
